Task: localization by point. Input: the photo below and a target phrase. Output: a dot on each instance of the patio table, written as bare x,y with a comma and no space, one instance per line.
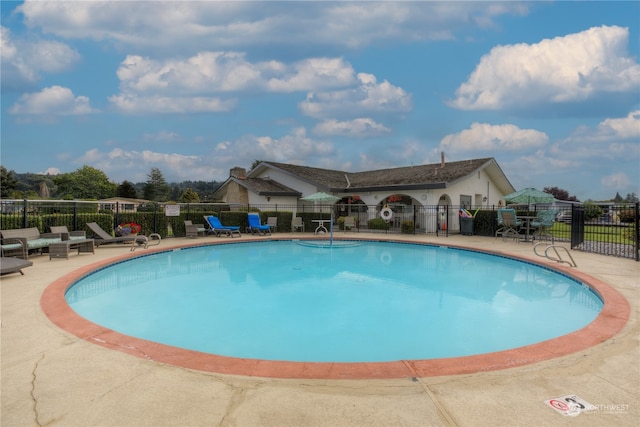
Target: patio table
527,221
321,226
62,249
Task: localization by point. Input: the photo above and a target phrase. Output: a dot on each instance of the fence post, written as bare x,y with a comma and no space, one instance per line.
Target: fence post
24,213
116,217
75,215
636,226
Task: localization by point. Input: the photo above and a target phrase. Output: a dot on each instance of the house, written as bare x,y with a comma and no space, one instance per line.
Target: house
121,204
469,183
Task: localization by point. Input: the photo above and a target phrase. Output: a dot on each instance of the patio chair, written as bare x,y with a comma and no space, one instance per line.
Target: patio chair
508,224
194,230
216,227
66,234
272,222
297,224
349,223
101,237
255,226
543,223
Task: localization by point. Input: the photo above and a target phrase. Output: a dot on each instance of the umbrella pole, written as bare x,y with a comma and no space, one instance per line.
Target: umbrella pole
331,230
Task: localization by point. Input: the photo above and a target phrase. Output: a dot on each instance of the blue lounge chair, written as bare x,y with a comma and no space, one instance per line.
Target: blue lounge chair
255,226
217,228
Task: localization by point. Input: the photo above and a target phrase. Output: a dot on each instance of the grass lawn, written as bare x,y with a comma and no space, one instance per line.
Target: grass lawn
598,233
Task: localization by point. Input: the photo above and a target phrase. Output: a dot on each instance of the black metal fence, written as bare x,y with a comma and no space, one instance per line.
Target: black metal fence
612,230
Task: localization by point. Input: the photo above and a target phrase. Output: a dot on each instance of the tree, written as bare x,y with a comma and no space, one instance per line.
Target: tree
176,192
560,194
255,163
592,211
8,183
126,189
631,198
618,198
189,196
85,183
156,188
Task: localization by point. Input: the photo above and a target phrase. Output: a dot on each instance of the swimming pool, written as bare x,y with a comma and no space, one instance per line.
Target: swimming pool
362,302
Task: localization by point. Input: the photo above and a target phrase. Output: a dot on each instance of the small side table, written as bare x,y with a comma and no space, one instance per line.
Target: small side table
62,249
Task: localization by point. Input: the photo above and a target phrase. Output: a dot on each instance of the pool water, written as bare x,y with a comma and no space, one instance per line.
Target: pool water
361,302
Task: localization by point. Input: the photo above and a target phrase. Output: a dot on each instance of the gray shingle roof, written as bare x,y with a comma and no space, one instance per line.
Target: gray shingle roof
417,177
266,187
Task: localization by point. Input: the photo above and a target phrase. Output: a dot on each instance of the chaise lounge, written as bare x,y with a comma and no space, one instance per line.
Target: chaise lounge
10,265
255,226
216,227
103,238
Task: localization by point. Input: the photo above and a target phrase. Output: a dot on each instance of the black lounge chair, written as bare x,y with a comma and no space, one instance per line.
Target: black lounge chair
102,237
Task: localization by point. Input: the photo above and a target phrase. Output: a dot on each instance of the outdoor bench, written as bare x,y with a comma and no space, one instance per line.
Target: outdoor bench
30,239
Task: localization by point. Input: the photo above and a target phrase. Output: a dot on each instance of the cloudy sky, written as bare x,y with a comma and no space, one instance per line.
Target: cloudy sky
550,89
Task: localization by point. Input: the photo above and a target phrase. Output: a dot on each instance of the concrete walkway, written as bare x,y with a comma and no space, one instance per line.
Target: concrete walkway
51,377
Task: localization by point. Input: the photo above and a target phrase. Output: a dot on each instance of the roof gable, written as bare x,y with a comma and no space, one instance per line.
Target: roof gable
265,187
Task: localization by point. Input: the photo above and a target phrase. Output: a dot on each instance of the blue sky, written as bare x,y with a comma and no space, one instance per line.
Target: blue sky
550,89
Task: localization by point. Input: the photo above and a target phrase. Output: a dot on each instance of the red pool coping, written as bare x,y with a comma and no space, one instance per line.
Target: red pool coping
611,320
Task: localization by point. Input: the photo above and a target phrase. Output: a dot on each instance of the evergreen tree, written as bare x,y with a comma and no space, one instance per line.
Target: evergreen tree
189,196
126,189
156,188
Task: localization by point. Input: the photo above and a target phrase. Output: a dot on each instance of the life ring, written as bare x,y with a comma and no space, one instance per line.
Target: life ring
386,214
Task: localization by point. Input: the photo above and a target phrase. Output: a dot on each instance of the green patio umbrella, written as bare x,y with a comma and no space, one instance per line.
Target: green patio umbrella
322,197
529,196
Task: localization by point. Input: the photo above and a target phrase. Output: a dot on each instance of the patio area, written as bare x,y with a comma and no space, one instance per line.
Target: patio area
51,377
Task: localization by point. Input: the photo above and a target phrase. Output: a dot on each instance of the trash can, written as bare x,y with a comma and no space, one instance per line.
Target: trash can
466,226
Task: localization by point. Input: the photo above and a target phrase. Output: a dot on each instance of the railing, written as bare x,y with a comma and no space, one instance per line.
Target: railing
614,233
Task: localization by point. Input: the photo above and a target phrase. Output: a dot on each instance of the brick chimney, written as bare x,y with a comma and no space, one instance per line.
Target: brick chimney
442,159
238,172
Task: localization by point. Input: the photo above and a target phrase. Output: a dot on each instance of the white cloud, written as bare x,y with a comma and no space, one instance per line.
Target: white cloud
51,171
615,181
565,69
357,128
625,128
158,104
368,97
52,101
23,62
482,137
206,72
162,136
314,73
120,162
612,138
181,86
172,25
295,145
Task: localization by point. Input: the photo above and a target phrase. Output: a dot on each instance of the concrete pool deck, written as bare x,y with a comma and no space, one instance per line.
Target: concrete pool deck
52,377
